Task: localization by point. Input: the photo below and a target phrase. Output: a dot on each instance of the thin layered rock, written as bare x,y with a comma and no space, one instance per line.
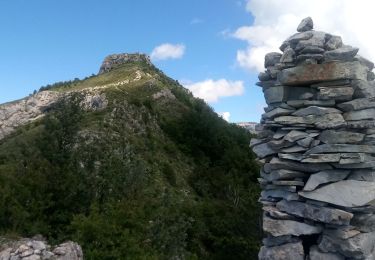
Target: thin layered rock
316,140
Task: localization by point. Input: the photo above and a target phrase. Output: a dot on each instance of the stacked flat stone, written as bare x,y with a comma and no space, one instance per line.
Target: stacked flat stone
316,141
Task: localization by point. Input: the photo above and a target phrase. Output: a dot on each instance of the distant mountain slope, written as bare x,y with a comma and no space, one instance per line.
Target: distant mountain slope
131,166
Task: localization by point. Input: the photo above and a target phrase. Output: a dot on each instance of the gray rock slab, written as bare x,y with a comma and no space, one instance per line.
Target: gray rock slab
333,83
288,183
278,187
278,194
291,156
283,174
327,121
277,144
316,254
305,142
341,148
370,139
318,40
271,59
284,252
306,24
288,227
338,93
340,137
347,193
313,56
345,53
295,135
342,232
325,177
360,124
315,213
294,149
358,247
306,103
364,222
270,241
363,88
280,134
315,110
333,43
289,55
295,38
315,143
277,112
341,158
312,50
263,150
277,214
256,141
267,84
310,73
360,114
278,164
369,64
353,158
5,254
264,76
275,94
363,165
363,175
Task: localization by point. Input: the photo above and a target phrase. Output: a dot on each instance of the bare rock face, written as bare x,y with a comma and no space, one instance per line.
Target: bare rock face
24,111
37,249
114,60
18,113
317,141
284,252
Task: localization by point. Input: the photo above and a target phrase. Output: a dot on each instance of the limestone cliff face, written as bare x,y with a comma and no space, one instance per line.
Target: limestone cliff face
24,111
114,60
21,112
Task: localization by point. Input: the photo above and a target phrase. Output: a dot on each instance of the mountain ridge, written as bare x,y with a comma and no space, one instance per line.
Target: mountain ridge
130,165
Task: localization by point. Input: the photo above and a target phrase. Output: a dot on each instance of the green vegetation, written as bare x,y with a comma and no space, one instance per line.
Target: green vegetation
144,178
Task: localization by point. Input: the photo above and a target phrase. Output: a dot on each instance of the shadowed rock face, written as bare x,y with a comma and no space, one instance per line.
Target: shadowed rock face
114,60
317,142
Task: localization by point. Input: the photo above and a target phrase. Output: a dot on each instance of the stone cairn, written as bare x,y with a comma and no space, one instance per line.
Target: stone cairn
316,141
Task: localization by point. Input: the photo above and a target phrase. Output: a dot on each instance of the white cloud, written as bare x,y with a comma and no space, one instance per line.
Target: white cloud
168,51
212,90
225,115
276,20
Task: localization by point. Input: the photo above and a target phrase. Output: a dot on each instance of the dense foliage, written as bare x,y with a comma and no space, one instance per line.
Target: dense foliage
139,180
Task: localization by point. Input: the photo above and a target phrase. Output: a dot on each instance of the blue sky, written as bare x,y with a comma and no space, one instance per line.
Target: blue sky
45,41
223,42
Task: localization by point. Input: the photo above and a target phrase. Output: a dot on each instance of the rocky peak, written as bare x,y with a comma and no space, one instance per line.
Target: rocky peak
114,60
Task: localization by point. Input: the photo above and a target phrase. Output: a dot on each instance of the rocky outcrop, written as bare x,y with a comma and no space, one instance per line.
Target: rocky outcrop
21,112
24,111
114,60
316,143
38,249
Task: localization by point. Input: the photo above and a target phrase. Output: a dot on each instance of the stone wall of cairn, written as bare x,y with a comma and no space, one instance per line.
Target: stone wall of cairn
316,141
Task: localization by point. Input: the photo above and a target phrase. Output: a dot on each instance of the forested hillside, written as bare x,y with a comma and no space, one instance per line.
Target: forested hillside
153,174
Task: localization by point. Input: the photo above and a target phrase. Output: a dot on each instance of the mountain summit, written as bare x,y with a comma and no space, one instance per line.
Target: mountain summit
115,60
